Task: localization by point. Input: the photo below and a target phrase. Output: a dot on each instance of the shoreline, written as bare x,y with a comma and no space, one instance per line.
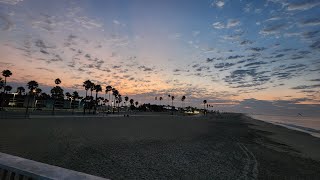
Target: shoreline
312,131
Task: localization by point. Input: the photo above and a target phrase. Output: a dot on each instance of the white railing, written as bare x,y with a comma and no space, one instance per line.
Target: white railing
17,168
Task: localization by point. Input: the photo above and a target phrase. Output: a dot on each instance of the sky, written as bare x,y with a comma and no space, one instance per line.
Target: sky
253,56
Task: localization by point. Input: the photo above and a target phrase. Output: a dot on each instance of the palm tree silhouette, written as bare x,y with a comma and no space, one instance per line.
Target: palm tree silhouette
126,101
108,90
172,98
56,93
6,73
57,81
87,85
204,105
169,99
131,102
32,86
74,96
20,90
98,89
160,99
7,88
1,83
182,100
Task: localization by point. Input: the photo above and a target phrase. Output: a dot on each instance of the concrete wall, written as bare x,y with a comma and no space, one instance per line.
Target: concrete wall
13,167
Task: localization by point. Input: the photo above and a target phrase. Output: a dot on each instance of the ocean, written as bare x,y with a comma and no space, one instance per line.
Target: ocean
310,125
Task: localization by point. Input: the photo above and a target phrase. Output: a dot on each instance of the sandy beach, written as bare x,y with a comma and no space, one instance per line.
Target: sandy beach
161,146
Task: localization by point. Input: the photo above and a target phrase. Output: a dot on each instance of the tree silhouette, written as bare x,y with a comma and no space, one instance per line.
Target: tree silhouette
6,73
92,86
1,83
87,85
56,93
126,101
7,88
32,86
182,100
160,100
137,103
57,81
131,103
108,90
74,96
98,89
20,90
172,98
204,105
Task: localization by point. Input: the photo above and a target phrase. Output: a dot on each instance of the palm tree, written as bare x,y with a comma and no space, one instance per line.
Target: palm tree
108,90
1,83
182,100
87,86
172,98
169,99
98,89
6,73
57,81
32,86
126,102
92,86
74,96
115,93
131,102
20,90
56,93
7,88
204,105
160,100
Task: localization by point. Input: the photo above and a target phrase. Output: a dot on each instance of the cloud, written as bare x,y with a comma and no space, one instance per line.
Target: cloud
307,87
144,68
257,49
311,22
218,3
233,23
195,33
11,2
245,42
230,24
5,23
235,57
218,25
255,64
272,29
316,45
302,6
223,65
86,22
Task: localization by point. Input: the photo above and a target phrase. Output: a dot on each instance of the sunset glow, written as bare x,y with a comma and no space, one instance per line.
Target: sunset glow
227,52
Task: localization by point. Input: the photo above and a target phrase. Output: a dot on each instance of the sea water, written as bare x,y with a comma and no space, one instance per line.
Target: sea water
307,124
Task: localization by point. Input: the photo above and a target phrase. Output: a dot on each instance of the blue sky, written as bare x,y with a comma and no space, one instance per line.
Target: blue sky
228,52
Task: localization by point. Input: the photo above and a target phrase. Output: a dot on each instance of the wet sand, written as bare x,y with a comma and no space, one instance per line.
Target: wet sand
161,146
